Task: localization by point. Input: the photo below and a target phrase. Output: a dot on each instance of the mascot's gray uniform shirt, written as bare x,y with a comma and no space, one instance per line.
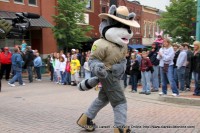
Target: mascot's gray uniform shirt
110,54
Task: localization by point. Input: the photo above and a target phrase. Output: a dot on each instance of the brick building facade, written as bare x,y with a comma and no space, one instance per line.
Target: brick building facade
39,37
149,24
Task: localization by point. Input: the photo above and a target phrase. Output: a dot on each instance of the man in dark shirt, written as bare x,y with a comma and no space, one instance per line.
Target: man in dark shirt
29,57
188,72
155,62
177,52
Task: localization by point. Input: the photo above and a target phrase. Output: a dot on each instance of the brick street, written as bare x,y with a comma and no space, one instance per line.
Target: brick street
45,107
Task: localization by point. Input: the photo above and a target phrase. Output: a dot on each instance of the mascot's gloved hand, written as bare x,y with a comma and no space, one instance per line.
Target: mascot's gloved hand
5,27
98,68
119,69
100,71
88,84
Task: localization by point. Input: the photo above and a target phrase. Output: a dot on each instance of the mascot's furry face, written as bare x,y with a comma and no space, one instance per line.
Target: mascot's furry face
115,26
119,35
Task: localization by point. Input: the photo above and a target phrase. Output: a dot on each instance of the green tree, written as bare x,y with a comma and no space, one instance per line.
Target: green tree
70,29
179,19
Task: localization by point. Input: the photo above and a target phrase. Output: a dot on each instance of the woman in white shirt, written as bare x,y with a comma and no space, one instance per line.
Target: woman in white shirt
166,56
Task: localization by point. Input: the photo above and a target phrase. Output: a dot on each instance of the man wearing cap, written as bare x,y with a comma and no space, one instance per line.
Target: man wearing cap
5,60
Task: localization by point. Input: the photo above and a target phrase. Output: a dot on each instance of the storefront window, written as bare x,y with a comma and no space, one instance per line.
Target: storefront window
32,2
19,1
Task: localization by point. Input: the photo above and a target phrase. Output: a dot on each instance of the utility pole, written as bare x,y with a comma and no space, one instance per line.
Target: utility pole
198,21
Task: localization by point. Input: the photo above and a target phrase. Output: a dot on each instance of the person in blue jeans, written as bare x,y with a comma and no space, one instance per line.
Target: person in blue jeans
155,62
38,64
177,52
181,66
166,56
146,68
134,71
17,63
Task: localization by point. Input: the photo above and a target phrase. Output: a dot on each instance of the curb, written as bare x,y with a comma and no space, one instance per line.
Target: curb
180,100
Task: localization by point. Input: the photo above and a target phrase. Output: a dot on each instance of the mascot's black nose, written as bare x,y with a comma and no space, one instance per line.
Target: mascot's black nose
129,31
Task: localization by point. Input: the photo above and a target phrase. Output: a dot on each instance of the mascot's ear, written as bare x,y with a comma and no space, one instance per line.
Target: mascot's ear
131,16
102,25
112,10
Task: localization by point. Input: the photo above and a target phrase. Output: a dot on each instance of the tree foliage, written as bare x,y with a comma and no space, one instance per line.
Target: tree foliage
179,19
68,31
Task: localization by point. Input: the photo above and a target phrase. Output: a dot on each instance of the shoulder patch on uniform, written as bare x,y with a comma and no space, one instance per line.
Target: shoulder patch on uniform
94,47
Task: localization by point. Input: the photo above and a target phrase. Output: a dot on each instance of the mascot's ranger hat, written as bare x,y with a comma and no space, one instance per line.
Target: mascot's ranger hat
122,15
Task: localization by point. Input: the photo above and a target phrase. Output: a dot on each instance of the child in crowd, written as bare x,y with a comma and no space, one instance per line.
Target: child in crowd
23,46
134,72
62,69
67,71
37,65
57,68
146,69
75,68
87,69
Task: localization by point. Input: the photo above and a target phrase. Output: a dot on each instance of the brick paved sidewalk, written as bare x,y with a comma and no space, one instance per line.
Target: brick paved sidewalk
45,107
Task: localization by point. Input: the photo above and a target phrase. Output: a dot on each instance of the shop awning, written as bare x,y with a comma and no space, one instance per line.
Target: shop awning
41,22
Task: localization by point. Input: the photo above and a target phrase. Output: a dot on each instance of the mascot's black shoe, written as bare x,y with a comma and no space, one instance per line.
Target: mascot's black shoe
86,123
123,130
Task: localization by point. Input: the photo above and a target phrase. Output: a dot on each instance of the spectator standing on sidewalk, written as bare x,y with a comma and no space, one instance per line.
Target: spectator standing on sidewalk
155,62
177,52
57,76
50,64
196,67
146,68
87,69
37,66
188,71
166,56
133,72
5,60
74,69
62,69
29,57
127,71
67,70
181,66
17,63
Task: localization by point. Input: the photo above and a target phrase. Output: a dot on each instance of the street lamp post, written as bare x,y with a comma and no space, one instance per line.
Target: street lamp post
198,21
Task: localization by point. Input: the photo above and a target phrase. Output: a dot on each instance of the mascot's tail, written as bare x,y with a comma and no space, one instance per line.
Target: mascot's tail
88,84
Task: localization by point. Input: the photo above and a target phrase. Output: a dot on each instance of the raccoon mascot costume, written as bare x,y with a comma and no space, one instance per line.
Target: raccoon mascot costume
107,61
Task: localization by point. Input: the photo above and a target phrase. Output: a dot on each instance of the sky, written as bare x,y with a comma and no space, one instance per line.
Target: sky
159,4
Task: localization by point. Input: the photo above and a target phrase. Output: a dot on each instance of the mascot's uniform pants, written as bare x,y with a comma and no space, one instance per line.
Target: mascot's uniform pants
111,92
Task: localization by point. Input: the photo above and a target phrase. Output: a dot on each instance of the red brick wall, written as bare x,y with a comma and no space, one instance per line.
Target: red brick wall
94,20
14,7
49,44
